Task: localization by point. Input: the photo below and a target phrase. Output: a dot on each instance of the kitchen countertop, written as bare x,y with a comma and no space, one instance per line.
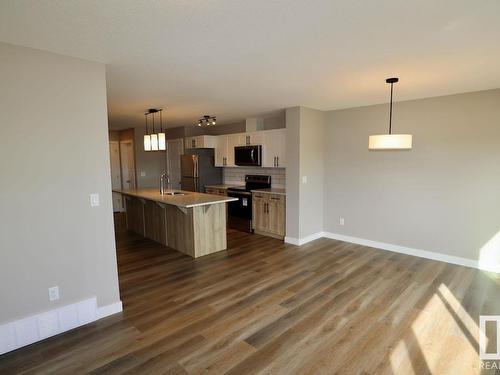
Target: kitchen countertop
271,191
223,186
191,199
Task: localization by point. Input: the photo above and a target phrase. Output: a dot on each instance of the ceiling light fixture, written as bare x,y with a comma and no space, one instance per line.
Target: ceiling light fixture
147,137
162,145
207,120
390,141
154,141
154,136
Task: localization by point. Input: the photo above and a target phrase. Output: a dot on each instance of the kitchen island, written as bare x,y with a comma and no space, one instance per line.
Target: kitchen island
192,223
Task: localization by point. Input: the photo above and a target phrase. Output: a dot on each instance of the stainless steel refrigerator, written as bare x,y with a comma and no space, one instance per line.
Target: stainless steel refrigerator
198,169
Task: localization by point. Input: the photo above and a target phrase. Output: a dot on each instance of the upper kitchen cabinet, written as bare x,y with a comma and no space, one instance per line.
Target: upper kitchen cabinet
272,141
255,138
201,141
221,151
224,149
274,148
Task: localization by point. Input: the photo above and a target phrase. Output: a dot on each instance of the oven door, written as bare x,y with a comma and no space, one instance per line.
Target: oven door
240,211
248,155
243,206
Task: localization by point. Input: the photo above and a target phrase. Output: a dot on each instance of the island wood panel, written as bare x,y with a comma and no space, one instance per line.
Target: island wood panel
135,214
155,223
180,230
209,229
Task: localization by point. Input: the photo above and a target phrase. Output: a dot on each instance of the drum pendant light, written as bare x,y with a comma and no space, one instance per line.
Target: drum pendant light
390,141
154,136
147,137
162,145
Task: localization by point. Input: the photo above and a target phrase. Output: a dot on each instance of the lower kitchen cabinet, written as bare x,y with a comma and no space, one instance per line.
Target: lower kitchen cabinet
269,214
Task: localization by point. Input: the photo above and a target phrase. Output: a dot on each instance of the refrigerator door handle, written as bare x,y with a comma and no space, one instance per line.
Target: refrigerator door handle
195,166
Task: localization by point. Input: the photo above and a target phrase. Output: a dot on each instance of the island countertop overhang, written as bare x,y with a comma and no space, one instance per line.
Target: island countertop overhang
189,200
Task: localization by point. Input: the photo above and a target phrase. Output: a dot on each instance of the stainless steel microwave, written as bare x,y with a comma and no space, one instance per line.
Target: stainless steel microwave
248,155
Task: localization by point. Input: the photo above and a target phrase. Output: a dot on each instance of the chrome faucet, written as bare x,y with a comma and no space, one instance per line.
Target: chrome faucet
164,177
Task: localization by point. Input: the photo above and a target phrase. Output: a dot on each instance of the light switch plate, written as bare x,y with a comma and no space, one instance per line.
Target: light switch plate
94,200
143,174
304,179
341,221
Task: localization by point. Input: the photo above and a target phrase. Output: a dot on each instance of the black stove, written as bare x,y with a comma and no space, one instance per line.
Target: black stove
240,211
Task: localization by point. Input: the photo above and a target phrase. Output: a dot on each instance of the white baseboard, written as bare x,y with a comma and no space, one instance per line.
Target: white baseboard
411,251
292,240
108,310
303,240
38,327
396,248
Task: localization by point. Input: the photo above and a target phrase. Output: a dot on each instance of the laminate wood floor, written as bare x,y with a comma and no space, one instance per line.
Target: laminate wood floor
266,307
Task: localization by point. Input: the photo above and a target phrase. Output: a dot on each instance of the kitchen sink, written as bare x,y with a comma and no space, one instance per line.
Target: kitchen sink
174,193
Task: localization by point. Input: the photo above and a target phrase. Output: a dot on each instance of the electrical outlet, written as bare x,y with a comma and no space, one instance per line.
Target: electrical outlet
53,293
143,174
341,221
94,200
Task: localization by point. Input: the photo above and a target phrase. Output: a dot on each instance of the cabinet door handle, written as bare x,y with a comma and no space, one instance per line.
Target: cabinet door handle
274,161
277,161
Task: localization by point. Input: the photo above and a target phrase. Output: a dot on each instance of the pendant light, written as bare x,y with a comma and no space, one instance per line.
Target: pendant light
162,145
390,141
147,137
154,136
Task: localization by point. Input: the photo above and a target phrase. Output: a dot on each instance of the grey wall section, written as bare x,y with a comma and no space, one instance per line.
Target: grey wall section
441,196
153,164
53,154
293,172
305,158
312,126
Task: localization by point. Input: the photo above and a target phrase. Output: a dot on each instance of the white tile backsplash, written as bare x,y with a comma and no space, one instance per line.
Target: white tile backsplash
236,175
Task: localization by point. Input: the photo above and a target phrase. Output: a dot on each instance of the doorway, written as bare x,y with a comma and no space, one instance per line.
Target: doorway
116,175
128,164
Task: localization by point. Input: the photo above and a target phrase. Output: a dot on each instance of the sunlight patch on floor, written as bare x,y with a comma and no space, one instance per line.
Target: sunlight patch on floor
443,339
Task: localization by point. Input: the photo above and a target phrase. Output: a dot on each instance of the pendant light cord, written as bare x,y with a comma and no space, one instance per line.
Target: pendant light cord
390,112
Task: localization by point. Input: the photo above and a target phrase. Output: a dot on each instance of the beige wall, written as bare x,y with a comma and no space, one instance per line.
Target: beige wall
442,196
53,155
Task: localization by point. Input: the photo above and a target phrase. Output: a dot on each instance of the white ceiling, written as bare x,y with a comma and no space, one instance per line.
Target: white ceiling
239,58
